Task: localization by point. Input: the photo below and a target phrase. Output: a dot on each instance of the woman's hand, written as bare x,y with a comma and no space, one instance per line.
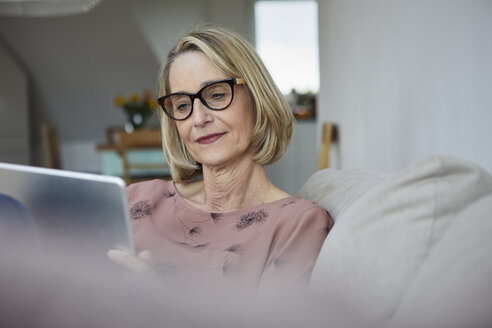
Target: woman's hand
140,264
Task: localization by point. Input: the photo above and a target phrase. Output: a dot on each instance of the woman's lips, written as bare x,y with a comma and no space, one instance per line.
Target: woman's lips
209,138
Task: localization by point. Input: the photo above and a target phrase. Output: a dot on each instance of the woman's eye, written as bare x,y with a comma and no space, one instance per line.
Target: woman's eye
218,96
182,107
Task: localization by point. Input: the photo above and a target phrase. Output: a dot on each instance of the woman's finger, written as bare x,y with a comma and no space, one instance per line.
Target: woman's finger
145,255
129,261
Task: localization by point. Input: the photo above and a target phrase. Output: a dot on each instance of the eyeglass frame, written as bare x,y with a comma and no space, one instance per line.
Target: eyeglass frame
193,96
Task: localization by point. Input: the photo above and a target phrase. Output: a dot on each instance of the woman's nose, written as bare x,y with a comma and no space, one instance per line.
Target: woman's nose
201,114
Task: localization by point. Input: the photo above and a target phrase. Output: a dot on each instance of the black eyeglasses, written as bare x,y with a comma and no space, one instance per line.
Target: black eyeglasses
216,95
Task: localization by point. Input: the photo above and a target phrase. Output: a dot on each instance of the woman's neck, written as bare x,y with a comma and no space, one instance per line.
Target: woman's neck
241,185
237,186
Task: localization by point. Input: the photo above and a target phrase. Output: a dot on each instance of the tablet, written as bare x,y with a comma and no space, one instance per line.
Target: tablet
69,211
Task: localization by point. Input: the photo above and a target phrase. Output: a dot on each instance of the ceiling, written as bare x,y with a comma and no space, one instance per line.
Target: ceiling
45,8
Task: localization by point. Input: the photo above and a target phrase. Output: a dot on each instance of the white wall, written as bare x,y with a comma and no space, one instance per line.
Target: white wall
14,111
162,22
299,161
407,79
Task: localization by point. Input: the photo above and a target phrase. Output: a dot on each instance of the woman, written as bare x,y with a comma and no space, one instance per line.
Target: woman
223,119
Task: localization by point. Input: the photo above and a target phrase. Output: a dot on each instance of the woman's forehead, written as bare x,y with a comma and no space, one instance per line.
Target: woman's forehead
191,70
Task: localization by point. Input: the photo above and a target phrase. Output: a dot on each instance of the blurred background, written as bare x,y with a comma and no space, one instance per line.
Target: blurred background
401,80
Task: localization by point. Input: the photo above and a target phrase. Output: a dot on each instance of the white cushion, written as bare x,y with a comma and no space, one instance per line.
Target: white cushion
453,288
378,243
336,190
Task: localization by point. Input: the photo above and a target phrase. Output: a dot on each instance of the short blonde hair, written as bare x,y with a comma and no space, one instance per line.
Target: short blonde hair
234,56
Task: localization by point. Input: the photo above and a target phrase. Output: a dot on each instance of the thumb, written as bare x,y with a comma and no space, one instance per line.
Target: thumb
145,255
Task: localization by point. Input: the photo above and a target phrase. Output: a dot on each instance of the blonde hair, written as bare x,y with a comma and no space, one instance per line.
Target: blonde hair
235,57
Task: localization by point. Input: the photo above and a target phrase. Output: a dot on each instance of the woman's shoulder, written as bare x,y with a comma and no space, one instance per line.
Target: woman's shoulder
144,198
296,205
294,211
149,188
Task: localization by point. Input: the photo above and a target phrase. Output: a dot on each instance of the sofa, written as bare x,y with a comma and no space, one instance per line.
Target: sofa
408,249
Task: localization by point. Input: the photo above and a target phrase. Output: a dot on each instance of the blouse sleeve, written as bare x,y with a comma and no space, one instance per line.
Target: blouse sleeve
296,248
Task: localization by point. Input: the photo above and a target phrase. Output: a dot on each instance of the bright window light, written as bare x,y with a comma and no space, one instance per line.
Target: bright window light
287,41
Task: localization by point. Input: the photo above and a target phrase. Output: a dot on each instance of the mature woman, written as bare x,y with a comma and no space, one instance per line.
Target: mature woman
221,218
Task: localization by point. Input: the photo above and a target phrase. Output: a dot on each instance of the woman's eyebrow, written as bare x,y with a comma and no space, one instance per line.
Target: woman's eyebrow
205,83
202,85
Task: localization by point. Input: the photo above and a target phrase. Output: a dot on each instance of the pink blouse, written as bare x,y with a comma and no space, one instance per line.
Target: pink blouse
273,242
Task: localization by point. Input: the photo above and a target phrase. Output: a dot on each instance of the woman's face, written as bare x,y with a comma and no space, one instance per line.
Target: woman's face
213,138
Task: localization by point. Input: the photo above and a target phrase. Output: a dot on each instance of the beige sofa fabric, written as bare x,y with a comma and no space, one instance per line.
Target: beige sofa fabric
381,238
453,287
336,190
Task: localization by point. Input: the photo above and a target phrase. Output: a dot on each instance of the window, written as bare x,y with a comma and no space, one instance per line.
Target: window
287,41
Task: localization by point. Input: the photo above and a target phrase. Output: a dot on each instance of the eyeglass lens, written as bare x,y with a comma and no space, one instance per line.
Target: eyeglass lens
215,96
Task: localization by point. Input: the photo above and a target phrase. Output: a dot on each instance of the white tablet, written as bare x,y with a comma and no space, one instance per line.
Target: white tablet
70,211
